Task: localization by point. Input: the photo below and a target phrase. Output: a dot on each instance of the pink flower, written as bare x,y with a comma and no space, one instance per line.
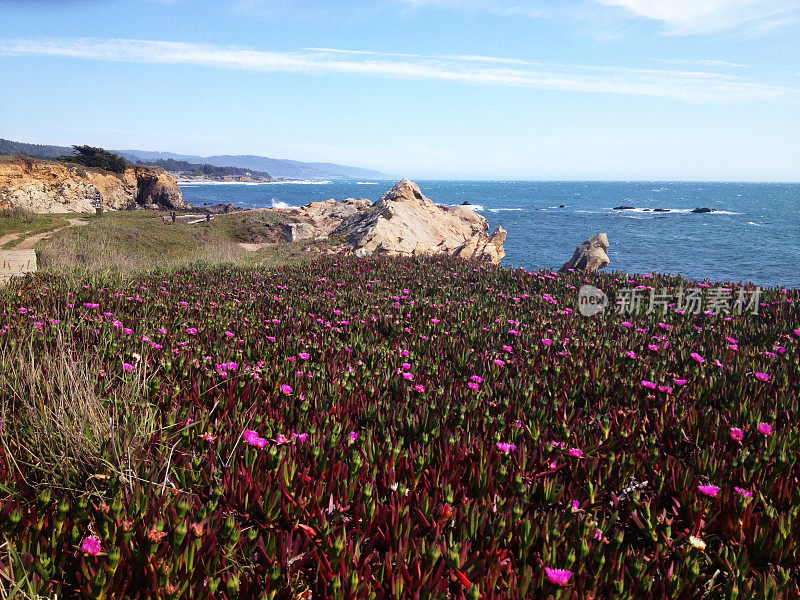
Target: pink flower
508,348
743,492
419,388
191,331
576,504
761,376
631,354
304,355
280,439
680,381
499,362
476,379
408,376
434,321
353,436
505,447
765,428
406,366
229,333
473,386
576,452
127,367
513,332
286,389
558,576
649,384
627,324
709,490
207,437
547,342
300,436
91,545
737,434
697,357
252,438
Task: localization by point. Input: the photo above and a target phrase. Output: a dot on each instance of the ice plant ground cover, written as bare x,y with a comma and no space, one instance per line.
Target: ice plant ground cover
359,428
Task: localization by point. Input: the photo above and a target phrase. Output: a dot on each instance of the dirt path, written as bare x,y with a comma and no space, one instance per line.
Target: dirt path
254,247
31,241
9,237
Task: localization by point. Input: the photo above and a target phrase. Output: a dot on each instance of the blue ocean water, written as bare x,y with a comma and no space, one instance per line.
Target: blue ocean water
754,235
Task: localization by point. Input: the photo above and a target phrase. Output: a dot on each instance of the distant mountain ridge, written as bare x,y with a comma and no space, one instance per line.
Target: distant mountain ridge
276,167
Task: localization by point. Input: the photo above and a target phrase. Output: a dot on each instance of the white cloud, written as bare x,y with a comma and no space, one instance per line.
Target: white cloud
694,85
706,16
508,8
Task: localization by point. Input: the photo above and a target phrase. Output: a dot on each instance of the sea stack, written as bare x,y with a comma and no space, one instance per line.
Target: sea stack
590,255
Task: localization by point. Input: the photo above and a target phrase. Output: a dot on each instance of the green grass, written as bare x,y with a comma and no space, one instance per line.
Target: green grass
140,240
27,223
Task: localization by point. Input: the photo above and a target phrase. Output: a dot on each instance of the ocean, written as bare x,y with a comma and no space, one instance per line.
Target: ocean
754,235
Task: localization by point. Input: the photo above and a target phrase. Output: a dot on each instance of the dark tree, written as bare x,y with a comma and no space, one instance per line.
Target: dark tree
90,156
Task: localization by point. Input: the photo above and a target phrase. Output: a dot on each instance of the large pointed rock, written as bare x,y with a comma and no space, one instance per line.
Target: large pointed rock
590,255
404,222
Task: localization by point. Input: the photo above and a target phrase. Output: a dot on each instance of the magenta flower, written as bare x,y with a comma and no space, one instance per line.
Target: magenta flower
649,384
762,376
473,386
627,324
765,428
697,357
631,354
191,331
252,438
505,447
743,492
286,389
91,545
300,436
709,490
576,504
499,362
737,434
406,366
419,388
280,439
127,367
547,342
353,436
558,576
680,381
408,376
576,452
304,355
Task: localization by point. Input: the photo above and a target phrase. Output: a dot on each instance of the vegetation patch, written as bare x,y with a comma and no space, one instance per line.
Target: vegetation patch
392,428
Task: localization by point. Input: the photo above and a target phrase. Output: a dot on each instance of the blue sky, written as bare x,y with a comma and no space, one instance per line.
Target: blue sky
479,89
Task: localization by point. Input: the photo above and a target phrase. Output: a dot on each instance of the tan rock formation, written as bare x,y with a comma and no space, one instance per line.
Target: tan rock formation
318,220
590,255
406,223
51,187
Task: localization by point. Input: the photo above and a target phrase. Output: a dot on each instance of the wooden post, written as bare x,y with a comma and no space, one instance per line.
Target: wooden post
98,207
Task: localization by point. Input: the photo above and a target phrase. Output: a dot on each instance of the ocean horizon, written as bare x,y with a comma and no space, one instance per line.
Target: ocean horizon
750,237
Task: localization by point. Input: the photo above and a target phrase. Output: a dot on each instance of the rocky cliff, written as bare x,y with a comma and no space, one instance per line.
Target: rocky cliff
50,187
403,222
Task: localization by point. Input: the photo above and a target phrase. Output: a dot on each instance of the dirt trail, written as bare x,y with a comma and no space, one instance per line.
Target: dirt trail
253,247
9,237
31,241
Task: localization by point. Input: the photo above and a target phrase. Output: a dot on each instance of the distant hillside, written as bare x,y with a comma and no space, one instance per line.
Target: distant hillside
276,167
190,169
279,168
33,150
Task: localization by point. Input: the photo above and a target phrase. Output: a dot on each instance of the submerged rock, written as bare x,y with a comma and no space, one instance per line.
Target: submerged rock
590,255
624,208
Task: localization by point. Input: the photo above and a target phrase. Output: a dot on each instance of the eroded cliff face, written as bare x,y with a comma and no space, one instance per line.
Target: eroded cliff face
52,187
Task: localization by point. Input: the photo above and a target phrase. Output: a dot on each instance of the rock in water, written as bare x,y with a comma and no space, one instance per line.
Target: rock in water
590,255
704,209
406,223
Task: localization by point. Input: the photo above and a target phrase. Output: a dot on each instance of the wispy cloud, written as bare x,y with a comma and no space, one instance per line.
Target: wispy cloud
707,16
694,85
510,8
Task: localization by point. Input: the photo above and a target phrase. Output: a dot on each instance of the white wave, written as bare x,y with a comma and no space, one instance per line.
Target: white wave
672,210
195,183
297,182
367,183
496,210
754,224
475,207
279,204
